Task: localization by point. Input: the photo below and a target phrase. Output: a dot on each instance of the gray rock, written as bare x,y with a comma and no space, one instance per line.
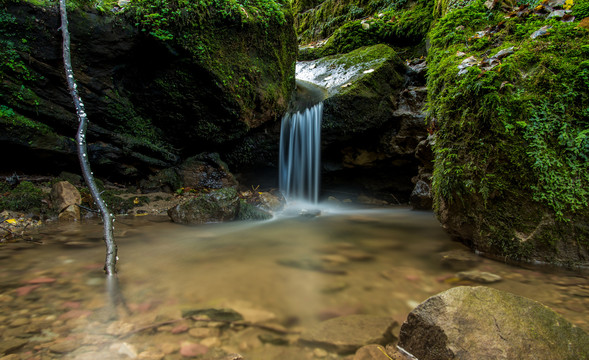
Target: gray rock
216,206
421,196
479,276
347,334
481,323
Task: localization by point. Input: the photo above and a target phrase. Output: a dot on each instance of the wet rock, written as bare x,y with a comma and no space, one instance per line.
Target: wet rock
347,334
421,197
190,349
479,276
70,213
201,333
273,339
206,171
484,323
249,212
223,315
459,260
271,202
216,206
8,345
169,348
63,346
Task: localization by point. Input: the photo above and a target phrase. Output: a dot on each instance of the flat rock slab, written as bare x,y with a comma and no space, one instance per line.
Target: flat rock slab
346,334
478,323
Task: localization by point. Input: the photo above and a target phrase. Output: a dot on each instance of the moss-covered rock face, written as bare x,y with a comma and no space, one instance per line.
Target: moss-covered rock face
397,25
160,79
509,97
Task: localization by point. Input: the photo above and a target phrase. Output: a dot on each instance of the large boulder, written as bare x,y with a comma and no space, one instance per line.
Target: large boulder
511,172
481,323
371,124
154,90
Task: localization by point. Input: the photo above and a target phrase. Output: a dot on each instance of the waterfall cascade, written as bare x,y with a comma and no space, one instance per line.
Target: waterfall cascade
300,154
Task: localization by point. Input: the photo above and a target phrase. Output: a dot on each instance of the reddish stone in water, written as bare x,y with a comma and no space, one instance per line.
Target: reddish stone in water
41,280
188,349
180,329
25,290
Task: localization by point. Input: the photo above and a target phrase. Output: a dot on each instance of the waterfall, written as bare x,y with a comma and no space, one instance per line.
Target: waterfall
300,154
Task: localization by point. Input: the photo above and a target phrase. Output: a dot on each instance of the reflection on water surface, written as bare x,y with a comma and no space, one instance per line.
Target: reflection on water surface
289,273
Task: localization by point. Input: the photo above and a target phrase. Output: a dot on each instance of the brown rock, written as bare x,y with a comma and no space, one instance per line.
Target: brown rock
70,213
63,347
64,194
347,334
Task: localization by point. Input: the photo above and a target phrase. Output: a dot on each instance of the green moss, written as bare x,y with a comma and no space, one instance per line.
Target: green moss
398,27
249,212
24,197
517,129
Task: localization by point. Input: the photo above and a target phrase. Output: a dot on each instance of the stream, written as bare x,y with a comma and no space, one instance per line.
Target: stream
289,274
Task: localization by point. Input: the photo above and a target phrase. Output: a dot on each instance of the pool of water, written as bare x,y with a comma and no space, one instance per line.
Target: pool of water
289,274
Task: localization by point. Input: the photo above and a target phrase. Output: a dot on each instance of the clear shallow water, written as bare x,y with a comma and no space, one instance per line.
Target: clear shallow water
291,272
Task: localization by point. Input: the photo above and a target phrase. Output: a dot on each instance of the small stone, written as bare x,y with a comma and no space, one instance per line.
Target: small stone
189,349
19,322
63,347
320,353
273,339
151,355
11,344
211,342
179,329
479,276
169,348
200,333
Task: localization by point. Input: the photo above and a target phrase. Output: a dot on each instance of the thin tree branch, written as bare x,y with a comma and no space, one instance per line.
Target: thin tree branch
107,217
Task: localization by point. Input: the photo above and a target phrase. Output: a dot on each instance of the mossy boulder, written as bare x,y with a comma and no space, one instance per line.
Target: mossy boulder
473,323
509,108
160,80
216,206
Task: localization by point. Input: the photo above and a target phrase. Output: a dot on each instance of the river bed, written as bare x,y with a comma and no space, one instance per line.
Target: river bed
287,274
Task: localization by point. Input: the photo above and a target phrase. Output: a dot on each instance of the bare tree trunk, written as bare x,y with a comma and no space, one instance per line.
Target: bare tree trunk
107,218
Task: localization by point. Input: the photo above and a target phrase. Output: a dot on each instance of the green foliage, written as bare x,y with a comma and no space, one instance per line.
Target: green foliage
18,122
24,197
394,27
163,18
518,127
581,9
